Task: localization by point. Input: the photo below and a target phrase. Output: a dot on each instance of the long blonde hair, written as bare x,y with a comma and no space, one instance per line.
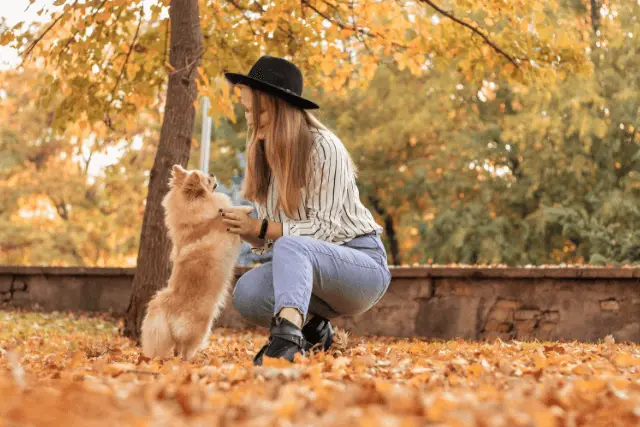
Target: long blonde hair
284,155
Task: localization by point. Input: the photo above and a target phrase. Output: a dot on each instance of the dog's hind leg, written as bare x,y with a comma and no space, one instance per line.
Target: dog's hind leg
189,349
205,343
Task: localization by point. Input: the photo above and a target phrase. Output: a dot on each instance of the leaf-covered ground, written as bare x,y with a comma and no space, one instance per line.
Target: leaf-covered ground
74,370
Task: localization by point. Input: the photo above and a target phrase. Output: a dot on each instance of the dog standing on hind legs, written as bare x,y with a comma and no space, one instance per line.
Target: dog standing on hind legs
203,256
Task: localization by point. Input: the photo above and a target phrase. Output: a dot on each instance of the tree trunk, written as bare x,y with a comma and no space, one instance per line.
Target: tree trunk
389,230
153,267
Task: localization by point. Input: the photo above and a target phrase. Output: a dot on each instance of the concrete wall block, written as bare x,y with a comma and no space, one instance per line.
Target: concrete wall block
526,327
609,305
500,314
496,326
19,284
449,317
405,290
5,283
551,316
526,314
547,331
21,299
507,304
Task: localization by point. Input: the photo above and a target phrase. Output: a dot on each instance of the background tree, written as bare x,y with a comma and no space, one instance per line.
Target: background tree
502,172
64,202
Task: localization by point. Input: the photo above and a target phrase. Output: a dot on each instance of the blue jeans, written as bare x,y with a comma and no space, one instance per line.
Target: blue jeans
315,277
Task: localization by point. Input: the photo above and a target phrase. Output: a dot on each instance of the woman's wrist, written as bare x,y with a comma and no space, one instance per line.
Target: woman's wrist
274,230
262,231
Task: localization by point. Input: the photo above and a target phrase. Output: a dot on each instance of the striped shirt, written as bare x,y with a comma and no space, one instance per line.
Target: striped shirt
330,207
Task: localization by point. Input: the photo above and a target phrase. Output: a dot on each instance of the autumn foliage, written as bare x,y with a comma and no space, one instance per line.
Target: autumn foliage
485,132
75,370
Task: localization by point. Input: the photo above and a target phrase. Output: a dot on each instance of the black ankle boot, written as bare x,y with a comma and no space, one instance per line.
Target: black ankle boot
285,341
318,333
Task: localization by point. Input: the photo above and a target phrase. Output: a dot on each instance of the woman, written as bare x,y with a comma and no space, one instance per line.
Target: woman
328,259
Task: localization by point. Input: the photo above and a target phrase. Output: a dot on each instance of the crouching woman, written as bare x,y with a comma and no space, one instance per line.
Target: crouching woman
328,259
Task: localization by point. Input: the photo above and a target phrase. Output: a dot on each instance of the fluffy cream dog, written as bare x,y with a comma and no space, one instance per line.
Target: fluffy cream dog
179,317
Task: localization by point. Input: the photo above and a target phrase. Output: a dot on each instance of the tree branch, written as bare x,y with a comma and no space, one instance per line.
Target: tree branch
124,67
358,31
44,33
61,208
359,36
72,38
243,10
334,7
475,30
338,23
595,17
87,162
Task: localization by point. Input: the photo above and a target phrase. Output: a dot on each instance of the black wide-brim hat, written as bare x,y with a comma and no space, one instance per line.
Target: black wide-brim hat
277,77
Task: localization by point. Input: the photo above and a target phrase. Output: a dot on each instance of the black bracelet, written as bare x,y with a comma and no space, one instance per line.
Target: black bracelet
263,229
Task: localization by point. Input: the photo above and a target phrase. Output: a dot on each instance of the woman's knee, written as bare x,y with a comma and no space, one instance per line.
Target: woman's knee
242,297
251,299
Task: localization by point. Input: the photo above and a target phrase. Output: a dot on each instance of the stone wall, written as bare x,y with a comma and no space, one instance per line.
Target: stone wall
470,303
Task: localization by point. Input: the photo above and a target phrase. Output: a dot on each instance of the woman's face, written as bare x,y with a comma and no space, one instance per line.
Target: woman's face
246,99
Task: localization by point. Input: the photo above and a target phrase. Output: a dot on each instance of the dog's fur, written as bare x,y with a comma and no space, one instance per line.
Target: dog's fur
179,317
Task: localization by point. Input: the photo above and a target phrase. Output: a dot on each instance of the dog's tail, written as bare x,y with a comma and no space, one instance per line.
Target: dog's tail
156,333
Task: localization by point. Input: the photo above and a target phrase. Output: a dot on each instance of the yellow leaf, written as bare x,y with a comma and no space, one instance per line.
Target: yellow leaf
475,369
102,16
6,38
508,68
544,418
132,69
327,67
580,370
590,386
625,360
540,362
454,380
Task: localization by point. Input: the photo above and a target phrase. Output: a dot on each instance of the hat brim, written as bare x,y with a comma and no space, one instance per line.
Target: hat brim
290,97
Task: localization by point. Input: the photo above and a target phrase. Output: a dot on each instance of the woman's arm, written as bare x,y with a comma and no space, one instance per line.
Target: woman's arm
248,227
274,231
253,240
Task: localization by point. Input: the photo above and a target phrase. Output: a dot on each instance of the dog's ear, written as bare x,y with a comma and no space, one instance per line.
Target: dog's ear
192,179
193,185
178,170
178,174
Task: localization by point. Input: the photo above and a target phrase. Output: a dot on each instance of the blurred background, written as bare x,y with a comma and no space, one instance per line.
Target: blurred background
463,161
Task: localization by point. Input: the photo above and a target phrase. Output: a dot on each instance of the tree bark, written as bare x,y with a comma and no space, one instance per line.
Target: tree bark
389,230
185,53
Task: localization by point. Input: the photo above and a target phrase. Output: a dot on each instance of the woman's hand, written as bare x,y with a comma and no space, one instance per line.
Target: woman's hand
239,222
